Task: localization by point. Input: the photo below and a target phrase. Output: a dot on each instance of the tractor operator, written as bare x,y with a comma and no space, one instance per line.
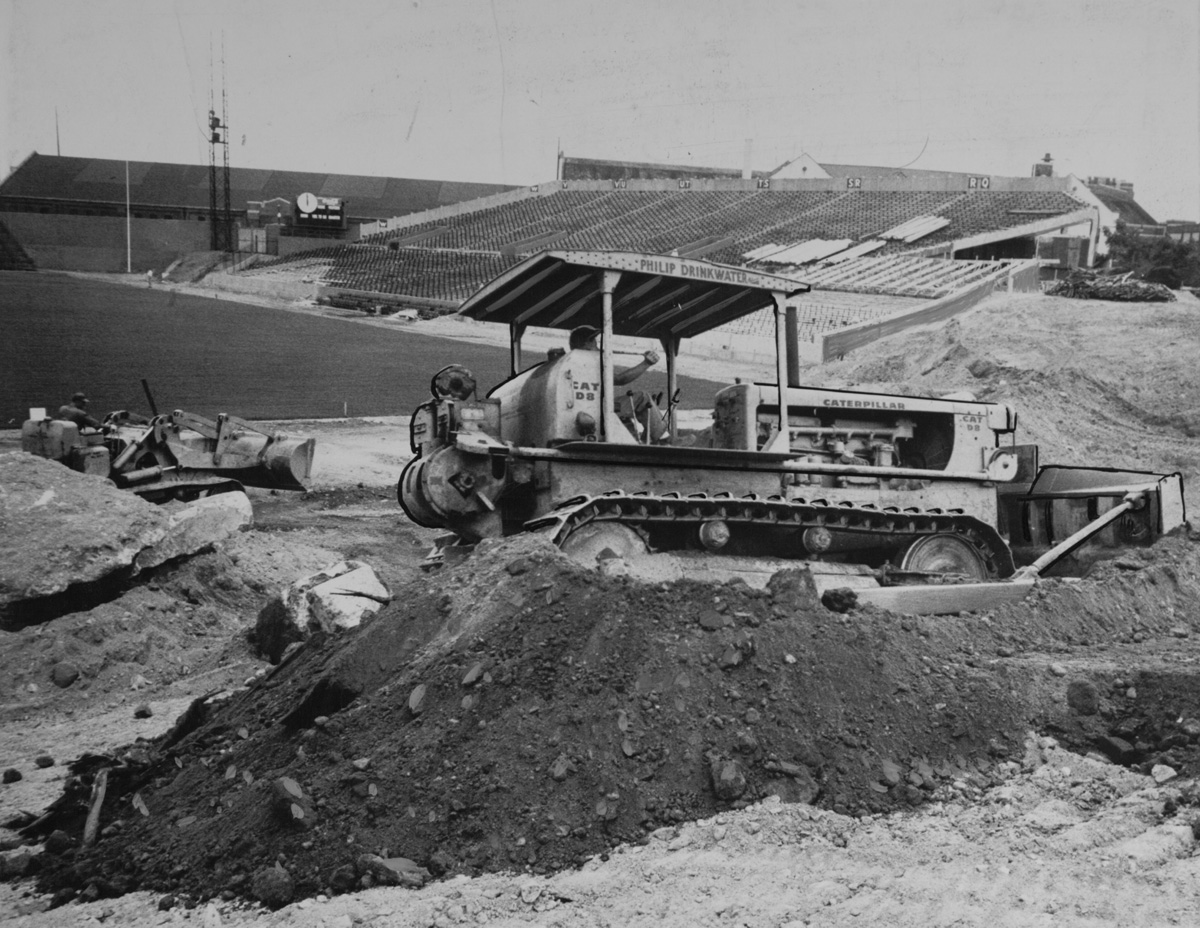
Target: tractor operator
634,408
587,337
76,411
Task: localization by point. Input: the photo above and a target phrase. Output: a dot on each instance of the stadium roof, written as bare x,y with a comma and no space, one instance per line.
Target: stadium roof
99,180
1123,204
575,168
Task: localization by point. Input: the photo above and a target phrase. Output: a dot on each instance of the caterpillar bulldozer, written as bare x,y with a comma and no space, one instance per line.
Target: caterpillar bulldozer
877,491
176,456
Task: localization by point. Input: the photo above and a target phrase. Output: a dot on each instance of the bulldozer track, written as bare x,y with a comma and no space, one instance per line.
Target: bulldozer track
646,511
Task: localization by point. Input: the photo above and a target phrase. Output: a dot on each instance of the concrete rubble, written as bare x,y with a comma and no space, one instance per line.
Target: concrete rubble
331,600
64,528
197,525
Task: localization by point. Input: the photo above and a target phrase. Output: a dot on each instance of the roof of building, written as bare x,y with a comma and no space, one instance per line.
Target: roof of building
867,170
575,168
53,177
1123,204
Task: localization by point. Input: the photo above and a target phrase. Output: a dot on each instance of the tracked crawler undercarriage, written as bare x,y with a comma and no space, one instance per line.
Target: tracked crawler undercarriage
915,489
925,542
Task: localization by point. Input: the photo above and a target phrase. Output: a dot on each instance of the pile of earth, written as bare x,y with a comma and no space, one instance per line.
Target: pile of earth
172,624
183,619
517,712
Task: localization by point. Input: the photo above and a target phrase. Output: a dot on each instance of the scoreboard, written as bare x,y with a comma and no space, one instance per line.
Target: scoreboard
314,212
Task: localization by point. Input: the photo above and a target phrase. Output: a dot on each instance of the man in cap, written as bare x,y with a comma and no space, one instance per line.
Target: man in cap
636,409
76,411
587,337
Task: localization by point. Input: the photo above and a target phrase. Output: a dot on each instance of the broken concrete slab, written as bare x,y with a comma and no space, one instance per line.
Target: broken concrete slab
330,600
63,528
196,526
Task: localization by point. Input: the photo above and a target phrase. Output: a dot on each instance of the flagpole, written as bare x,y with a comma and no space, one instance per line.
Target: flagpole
128,224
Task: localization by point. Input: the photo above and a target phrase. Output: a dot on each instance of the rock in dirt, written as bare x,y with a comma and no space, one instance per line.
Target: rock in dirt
12,775
15,864
196,526
290,805
63,674
728,779
64,528
1162,773
330,600
1083,697
58,842
841,599
1118,749
393,871
273,887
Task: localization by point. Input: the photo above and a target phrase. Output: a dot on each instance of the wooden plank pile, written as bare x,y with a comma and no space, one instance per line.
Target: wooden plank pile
1085,285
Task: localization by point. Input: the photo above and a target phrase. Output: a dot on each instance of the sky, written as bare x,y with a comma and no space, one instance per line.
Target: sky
491,90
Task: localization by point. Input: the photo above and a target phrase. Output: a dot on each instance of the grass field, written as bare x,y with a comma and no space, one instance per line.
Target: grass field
60,334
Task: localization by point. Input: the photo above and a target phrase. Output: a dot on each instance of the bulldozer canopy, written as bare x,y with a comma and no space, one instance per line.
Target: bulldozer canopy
657,296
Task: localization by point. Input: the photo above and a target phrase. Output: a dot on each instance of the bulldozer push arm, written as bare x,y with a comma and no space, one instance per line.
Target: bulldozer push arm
1148,511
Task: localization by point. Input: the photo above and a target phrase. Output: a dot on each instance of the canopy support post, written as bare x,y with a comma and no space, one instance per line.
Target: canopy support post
793,347
607,389
670,345
780,441
516,332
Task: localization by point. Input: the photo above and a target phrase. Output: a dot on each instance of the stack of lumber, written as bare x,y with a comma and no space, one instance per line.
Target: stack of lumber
1084,285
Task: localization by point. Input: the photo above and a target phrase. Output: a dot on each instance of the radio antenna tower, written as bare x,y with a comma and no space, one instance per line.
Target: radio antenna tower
220,208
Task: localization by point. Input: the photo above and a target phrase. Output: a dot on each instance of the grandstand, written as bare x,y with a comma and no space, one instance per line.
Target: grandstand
98,214
445,255
12,256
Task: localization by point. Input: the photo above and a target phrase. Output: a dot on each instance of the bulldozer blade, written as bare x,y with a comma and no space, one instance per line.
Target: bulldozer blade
286,465
945,599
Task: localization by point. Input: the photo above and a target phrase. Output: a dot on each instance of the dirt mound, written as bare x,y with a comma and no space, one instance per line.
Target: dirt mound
177,621
520,713
183,620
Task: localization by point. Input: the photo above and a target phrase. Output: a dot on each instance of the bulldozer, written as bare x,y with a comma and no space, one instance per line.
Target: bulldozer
874,490
176,456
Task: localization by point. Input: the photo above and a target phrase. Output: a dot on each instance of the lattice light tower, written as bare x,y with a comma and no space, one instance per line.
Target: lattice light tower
224,235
